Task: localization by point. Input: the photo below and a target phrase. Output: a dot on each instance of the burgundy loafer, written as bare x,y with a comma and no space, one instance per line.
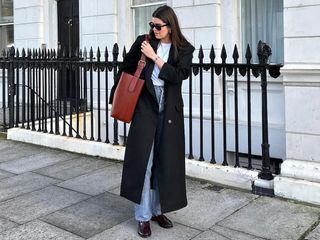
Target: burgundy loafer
163,221
144,229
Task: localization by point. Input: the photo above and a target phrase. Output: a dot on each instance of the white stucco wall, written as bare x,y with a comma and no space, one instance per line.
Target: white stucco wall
35,23
302,103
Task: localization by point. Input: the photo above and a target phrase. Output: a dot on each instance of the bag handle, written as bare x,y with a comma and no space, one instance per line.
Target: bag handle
140,67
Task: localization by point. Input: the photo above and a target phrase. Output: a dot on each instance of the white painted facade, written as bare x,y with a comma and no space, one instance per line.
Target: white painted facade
293,98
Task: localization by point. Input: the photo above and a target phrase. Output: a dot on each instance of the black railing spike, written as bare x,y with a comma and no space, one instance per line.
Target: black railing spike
59,51
11,52
40,53
54,53
91,54
4,53
85,53
63,52
76,53
17,53
248,53
28,53
106,54
48,54
80,53
124,52
223,53
235,54
23,53
212,53
115,50
200,55
98,54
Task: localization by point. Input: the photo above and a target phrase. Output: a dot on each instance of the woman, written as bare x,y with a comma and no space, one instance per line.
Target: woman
154,165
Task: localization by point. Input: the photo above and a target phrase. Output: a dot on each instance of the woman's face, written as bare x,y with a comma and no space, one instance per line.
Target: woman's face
163,31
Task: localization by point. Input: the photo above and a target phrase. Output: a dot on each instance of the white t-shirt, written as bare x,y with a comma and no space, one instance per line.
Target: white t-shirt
163,53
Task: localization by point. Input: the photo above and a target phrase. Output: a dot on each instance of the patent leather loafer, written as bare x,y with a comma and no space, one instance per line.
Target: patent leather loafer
144,229
163,221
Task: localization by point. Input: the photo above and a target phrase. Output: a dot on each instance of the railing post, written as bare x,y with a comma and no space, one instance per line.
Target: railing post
115,53
264,52
11,87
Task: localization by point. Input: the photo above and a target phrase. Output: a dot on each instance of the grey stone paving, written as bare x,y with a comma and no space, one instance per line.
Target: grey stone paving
50,194
96,182
23,183
266,218
37,230
315,234
5,174
73,168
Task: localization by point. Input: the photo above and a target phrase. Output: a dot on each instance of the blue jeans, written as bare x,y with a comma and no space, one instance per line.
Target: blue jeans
150,201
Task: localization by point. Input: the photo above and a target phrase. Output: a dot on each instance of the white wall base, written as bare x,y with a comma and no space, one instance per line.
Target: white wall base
297,189
299,180
226,175
67,143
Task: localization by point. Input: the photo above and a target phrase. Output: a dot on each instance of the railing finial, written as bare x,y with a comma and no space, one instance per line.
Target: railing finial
264,52
212,53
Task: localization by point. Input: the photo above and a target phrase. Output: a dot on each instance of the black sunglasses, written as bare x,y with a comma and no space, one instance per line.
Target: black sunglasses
157,26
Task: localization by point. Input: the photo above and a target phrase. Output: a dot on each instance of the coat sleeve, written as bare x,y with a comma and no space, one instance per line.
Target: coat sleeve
181,70
130,61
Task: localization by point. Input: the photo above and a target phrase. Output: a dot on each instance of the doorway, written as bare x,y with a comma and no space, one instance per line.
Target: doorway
68,41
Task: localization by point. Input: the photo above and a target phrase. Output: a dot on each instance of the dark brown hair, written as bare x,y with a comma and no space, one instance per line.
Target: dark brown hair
168,16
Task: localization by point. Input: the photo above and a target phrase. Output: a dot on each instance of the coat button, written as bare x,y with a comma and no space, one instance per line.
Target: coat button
169,121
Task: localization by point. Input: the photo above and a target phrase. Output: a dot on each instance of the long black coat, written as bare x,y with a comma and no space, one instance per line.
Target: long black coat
169,167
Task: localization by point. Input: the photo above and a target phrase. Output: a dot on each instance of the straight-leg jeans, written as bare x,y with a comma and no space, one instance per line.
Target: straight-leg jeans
150,201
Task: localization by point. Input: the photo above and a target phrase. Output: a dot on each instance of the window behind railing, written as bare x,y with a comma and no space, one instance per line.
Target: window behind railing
263,20
6,23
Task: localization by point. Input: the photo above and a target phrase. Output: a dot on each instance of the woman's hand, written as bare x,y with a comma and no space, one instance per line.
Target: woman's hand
147,50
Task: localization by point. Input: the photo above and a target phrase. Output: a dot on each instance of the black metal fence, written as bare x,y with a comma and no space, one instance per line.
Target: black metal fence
67,94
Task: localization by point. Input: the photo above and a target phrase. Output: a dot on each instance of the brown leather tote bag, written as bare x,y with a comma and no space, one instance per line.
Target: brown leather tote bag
127,93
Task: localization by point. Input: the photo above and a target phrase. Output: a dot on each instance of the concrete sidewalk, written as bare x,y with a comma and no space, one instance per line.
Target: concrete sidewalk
51,194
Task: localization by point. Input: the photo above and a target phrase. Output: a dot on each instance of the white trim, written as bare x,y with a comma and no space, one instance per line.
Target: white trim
148,4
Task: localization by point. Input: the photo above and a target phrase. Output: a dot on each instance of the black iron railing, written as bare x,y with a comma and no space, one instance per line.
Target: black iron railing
54,93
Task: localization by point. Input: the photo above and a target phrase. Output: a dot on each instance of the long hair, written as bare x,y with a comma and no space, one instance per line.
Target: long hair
168,16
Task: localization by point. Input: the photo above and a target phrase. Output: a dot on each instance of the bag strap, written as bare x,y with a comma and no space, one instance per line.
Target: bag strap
142,61
140,67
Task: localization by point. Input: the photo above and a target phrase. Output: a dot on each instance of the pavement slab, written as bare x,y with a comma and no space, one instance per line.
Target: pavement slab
37,230
39,160
23,183
39,203
233,234
210,203
315,234
92,216
73,168
18,150
128,230
5,174
6,224
96,182
224,234
273,218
